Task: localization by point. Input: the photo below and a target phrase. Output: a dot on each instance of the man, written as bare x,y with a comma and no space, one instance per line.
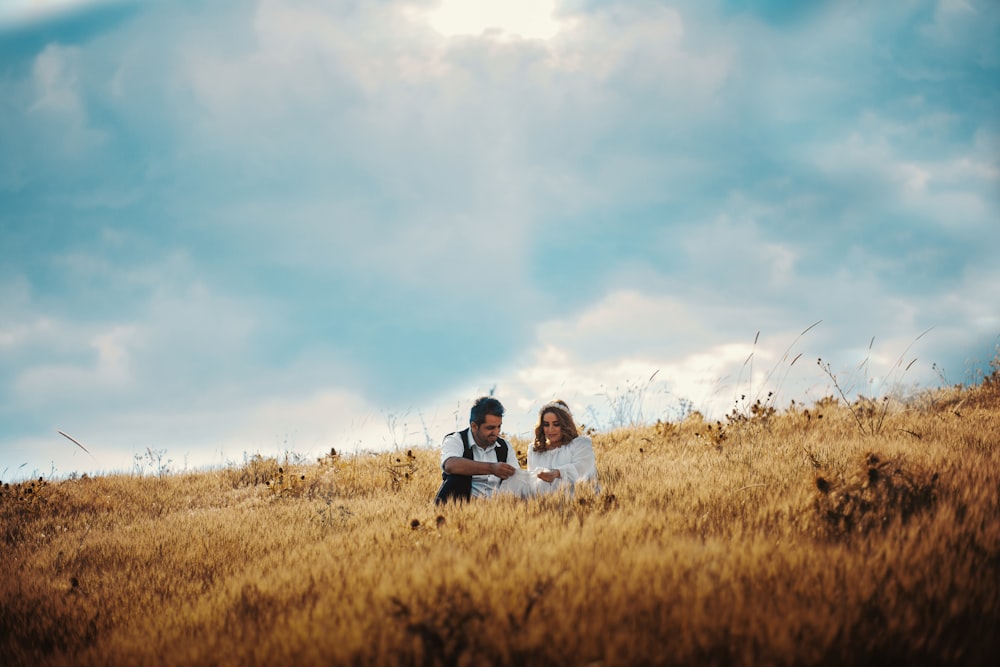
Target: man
477,460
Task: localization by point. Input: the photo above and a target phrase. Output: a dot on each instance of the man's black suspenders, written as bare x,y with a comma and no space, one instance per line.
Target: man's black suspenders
459,487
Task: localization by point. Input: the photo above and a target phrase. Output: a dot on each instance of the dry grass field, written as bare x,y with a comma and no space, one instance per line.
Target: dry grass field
830,534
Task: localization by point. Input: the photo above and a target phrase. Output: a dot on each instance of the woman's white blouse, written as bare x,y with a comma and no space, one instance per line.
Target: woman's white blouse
574,461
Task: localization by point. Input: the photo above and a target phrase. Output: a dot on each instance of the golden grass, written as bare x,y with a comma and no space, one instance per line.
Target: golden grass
782,538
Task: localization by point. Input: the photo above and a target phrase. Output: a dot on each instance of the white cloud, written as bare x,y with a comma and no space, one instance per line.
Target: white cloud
57,106
532,19
56,80
653,351
731,255
17,334
21,12
959,6
712,175
312,422
625,323
107,368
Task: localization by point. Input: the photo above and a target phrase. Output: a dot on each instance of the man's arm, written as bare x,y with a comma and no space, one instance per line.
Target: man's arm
457,465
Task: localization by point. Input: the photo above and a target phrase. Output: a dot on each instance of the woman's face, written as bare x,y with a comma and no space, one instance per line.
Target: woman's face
552,429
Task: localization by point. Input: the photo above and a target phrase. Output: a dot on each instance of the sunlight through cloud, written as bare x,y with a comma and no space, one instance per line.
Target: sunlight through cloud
530,19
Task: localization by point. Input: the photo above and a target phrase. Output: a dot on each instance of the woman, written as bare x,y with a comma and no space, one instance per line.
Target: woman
560,456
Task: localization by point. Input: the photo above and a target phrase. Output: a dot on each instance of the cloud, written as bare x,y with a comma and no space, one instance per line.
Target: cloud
222,219
28,27
109,370
20,12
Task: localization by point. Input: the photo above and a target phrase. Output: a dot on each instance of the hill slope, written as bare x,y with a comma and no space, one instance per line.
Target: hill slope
797,537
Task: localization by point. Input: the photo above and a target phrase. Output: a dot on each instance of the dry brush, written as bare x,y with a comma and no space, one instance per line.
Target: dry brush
777,538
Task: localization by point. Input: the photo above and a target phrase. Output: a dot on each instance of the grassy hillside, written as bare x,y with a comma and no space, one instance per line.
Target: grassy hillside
827,535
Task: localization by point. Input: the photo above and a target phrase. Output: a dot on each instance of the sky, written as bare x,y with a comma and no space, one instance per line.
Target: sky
241,227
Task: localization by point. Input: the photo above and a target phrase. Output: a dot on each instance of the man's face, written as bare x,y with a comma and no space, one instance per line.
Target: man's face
486,433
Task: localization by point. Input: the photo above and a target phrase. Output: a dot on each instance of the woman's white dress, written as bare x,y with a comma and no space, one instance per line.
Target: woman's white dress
574,461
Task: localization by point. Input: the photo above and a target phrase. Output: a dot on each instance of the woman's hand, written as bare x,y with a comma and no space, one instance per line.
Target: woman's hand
549,475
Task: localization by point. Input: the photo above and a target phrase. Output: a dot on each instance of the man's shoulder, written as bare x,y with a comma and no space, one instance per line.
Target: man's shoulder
456,436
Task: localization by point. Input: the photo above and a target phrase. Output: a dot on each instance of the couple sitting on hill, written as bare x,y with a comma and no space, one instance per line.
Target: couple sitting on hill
478,463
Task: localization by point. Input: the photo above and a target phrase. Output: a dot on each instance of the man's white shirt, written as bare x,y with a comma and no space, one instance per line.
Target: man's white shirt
482,485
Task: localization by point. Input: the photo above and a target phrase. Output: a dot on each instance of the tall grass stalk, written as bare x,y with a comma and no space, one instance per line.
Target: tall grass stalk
870,410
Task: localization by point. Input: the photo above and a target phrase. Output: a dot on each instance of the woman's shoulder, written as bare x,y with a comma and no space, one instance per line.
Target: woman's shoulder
582,441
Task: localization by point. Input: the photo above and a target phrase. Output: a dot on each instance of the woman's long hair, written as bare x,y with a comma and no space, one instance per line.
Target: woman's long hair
566,425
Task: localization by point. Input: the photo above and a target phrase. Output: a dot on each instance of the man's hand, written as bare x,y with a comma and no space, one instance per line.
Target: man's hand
502,470
549,475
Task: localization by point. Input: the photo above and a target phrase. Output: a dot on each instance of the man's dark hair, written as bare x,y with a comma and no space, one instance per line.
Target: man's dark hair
485,405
